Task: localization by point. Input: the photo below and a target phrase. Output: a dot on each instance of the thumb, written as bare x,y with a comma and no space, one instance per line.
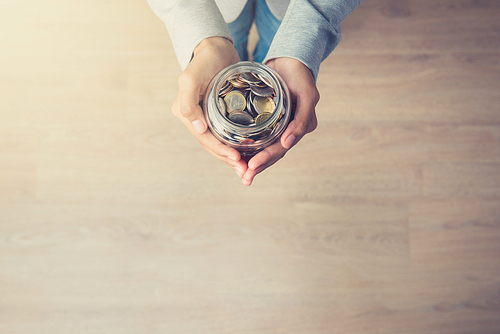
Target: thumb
190,95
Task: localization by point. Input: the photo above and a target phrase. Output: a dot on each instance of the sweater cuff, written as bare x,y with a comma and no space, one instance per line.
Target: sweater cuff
309,33
188,25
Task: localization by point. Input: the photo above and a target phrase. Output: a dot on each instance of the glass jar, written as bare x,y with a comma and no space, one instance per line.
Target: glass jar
247,106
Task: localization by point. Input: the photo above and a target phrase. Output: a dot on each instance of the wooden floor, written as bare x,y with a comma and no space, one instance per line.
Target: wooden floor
384,220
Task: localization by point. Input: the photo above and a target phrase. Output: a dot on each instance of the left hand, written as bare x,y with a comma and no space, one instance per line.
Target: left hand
304,96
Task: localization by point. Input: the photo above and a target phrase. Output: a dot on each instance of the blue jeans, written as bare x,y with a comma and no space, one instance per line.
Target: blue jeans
267,25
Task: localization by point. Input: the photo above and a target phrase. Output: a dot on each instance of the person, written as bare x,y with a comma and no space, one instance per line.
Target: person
295,36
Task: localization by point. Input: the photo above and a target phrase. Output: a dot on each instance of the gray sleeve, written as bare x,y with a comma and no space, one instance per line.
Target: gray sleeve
310,31
188,23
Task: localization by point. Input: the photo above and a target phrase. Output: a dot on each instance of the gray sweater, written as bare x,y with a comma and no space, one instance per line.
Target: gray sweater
309,32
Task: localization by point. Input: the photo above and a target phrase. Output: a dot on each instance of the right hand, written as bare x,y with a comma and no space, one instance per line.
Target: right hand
210,56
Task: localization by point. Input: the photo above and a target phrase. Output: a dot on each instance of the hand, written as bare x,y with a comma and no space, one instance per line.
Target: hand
210,56
304,96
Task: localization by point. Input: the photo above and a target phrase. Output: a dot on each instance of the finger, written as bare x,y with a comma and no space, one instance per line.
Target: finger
262,161
239,166
273,153
304,120
222,152
216,148
189,99
213,146
270,156
206,139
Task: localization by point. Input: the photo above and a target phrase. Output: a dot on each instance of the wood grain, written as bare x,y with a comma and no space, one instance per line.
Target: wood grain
386,219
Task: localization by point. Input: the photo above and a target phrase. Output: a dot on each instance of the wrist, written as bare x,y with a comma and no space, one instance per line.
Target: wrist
213,42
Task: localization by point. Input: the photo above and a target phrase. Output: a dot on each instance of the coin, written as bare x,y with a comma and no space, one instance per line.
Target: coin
222,106
233,77
260,84
262,91
262,117
249,109
263,105
238,83
240,117
249,78
235,101
264,80
226,88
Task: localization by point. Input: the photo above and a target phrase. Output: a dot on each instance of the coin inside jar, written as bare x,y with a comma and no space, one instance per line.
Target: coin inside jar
261,118
235,101
222,106
246,92
250,78
240,117
263,104
264,80
262,91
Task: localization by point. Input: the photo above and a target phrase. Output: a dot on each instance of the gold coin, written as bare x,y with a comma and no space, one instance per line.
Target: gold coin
262,117
238,83
263,104
235,101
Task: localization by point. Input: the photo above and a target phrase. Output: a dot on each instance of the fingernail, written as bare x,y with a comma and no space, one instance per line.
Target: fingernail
232,157
238,173
289,141
198,126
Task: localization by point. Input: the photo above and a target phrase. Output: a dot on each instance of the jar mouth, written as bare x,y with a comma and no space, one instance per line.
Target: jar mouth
250,66
252,138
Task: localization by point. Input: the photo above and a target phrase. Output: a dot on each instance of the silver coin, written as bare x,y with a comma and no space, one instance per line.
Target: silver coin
249,78
240,117
264,80
233,77
260,84
222,106
262,91
235,101
250,108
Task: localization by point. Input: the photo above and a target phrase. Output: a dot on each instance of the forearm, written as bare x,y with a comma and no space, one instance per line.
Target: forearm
188,23
310,31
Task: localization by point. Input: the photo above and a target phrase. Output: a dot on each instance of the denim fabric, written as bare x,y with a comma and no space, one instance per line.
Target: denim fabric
267,25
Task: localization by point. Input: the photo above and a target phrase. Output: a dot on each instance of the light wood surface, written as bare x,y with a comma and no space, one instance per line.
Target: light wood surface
384,220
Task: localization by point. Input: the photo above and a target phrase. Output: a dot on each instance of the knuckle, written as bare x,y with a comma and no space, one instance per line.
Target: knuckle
313,124
301,127
186,111
184,79
174,108
316,95
219,148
